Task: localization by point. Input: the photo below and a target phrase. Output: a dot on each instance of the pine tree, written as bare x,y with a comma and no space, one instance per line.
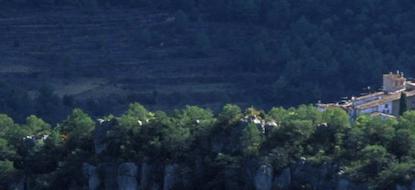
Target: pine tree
251,140
403,107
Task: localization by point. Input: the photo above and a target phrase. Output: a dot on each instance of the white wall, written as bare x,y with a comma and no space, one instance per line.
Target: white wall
386,108
383,108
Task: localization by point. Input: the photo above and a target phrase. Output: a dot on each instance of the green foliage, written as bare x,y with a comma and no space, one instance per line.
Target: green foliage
6,124
6,171
279,114
373,159
138,111
309,46
279,157
36,125
197,119
407,121
336,117
123,138
174,138
403,104
378,130
252,112
296,131
7,151
403,143
355,140
136,116
397,173
230,114
310,113
77,127
251,140
375,151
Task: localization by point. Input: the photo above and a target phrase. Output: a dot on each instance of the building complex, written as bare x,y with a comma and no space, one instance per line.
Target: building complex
396,90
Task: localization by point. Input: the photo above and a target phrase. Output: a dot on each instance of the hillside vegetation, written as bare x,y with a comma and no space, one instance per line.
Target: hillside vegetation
102,54
212,151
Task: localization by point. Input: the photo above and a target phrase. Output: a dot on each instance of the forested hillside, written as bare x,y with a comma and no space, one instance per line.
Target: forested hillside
192,148
102,54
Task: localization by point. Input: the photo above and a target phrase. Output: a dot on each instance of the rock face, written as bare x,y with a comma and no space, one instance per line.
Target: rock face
263,178
109,175
264,126
345,184
305,175
170,176
283,180
127,176
123,177
145,175
315,177
90,172
153,175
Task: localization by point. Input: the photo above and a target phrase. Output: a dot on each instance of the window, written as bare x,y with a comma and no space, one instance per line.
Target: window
386,106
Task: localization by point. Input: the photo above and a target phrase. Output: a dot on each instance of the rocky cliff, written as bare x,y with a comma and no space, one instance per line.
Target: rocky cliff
254,174
126,176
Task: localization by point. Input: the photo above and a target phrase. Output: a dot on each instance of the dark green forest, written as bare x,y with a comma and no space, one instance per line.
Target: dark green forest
274,52
310,49
372,151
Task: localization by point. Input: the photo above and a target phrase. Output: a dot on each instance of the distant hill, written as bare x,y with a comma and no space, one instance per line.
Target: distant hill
101,55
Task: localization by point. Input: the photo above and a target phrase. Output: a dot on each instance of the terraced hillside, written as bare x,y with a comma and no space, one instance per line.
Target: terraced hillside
127,55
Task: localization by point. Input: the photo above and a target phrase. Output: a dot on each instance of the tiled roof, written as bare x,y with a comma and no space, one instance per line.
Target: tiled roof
369,95
384,99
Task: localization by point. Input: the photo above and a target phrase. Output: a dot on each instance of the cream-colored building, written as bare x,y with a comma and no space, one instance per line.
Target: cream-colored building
385,103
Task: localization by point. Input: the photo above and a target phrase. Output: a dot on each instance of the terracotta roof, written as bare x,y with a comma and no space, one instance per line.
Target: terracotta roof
384,99
369,95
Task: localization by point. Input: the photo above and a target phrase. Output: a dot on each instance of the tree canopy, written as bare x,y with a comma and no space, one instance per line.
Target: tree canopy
368,150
